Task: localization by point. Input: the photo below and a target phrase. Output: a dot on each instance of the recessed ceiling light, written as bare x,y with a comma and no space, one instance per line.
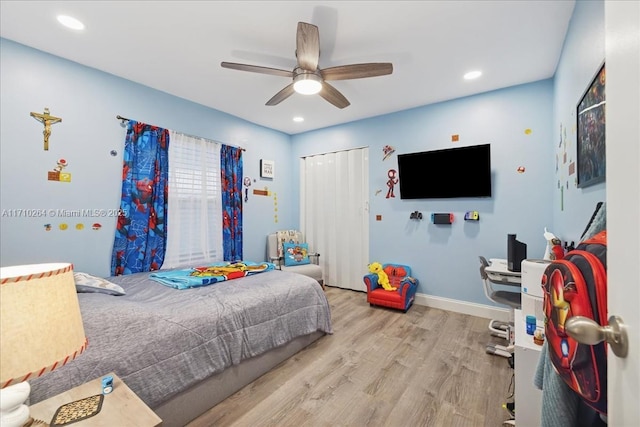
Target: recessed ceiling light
70,22
472,75
298,119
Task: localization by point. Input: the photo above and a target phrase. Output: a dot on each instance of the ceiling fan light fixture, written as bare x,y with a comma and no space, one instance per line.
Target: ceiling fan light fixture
308,79
307,84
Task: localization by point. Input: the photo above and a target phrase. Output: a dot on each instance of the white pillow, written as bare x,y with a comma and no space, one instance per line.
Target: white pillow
86,283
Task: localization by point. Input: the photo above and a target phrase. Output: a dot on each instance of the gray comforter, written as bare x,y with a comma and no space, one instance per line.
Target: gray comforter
161,340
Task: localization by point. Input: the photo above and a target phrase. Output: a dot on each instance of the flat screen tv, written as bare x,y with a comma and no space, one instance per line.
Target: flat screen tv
447,173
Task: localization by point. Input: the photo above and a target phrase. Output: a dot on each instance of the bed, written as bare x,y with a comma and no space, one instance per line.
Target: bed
184,351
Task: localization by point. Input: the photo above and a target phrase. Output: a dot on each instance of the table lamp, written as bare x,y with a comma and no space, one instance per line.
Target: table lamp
40,330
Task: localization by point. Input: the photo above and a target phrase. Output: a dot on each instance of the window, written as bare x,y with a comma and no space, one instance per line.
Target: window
194,220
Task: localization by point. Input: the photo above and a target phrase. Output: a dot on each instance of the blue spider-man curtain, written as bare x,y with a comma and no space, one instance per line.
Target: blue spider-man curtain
231,174
141,236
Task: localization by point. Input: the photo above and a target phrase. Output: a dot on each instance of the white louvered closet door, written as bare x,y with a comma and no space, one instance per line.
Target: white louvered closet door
334,214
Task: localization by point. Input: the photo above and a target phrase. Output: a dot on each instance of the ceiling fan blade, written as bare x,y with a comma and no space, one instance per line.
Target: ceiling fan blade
357,71
332,95
281,96
257,69
307,46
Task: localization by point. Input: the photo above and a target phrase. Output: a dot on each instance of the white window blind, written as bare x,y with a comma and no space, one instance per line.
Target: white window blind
194,223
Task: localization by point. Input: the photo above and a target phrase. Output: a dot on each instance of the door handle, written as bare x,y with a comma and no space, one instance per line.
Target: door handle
587,331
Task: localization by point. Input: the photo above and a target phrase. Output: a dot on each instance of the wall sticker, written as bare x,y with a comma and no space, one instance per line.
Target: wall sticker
391,183
57,175
387,150
275,208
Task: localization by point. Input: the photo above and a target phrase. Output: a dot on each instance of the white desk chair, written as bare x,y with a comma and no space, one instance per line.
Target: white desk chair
500,275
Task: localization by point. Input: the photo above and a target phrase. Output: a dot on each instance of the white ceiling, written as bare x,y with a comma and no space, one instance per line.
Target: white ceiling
177,47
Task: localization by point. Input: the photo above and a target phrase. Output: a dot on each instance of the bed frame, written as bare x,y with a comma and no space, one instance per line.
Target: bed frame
190,404
165,371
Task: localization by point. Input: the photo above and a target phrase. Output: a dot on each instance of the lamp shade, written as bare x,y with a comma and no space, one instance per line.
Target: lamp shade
41,324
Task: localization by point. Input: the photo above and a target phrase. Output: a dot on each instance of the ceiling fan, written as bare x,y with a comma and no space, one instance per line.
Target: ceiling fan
307,78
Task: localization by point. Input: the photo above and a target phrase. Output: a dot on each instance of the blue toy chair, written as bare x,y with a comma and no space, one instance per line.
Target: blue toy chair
400,277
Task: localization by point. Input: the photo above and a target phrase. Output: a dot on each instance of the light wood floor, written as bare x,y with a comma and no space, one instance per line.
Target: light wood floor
380,367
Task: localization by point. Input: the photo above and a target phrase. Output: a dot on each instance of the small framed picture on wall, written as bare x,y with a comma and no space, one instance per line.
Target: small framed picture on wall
267,168
590,114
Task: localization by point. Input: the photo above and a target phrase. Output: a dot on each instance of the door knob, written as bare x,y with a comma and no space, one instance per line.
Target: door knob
587,331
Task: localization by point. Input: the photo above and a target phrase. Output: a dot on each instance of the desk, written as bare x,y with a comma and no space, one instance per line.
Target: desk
528,398
500,275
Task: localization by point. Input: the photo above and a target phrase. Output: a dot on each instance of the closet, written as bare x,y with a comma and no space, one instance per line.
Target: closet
334,214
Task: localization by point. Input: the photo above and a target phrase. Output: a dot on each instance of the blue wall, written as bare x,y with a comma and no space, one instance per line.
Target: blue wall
582,56
444,258
88,102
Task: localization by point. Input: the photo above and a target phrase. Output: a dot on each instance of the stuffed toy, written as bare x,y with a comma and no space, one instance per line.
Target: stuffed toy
383,279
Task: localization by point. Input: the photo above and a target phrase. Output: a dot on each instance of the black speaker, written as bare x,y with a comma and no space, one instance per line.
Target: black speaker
441,218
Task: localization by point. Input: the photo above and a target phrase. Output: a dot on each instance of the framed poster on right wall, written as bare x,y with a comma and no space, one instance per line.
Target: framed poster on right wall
590,114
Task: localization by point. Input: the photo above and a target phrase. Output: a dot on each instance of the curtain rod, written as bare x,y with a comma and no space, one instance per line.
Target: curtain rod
119,117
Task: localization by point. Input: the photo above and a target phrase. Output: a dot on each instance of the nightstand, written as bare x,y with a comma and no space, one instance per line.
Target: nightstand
121,407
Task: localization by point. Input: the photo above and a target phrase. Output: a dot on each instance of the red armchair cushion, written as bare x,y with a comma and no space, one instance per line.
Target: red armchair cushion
396,274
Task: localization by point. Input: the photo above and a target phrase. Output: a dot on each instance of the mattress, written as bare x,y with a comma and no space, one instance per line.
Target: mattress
161,341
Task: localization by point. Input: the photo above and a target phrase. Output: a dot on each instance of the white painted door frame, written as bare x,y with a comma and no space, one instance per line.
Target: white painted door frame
622,49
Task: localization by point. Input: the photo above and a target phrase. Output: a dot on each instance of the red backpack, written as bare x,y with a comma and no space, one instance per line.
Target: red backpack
577,286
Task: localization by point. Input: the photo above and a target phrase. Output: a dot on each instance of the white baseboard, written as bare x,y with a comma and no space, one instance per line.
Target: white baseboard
472,309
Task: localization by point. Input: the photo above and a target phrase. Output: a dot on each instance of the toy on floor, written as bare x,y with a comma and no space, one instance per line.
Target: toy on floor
399,277
383,279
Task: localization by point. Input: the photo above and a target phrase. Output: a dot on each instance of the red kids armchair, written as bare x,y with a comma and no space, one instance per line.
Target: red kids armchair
390,285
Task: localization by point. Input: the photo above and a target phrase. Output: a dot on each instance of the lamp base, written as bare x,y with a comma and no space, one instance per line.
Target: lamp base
13,411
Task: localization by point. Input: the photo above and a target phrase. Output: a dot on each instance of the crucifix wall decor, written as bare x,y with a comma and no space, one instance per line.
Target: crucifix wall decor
47,120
